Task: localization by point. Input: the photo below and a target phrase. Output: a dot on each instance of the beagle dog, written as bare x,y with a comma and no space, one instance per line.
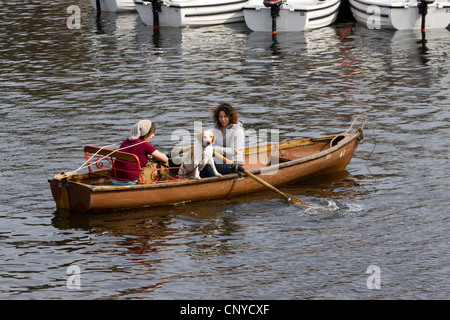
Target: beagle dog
199,156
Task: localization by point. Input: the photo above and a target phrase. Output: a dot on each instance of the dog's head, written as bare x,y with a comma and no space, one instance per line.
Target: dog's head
206,137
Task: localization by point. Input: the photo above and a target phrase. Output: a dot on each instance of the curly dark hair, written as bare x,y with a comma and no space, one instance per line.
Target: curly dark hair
229,110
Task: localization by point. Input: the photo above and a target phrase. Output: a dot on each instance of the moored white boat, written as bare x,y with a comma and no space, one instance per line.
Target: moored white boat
401,14
114,5
184,13
290,15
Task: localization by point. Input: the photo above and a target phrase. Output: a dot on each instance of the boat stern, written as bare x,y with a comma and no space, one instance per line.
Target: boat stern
60,193
68,194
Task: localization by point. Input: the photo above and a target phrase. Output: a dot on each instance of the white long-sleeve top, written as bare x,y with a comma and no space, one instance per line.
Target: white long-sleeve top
231,144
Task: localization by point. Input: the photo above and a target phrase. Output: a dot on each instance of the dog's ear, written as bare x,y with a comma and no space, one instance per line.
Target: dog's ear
213,137
200,136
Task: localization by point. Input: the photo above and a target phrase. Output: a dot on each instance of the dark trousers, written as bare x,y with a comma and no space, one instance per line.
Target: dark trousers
223,168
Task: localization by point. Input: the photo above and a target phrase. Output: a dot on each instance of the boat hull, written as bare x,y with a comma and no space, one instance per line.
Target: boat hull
294,15
79,193
115,5
192,12
400,15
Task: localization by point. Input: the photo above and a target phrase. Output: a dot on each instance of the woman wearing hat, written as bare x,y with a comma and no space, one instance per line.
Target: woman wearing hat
138,143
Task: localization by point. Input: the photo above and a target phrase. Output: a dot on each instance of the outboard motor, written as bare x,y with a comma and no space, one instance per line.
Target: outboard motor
274,6
269,3
423,9
156,8
98,6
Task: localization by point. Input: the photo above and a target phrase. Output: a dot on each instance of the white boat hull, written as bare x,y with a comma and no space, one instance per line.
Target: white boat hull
400,14
295,15
115,5
185,13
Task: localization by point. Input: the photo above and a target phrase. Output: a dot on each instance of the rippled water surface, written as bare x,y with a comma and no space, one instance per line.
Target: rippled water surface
64,88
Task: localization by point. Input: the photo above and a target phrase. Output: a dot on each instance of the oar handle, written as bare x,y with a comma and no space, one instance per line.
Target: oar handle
221,157
174,153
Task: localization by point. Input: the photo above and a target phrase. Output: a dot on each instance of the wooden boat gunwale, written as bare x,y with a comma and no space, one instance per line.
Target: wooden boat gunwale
64,182
234,175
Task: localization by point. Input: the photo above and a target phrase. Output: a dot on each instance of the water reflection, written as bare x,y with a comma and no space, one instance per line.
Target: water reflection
412,40
63,89
149,230
145,229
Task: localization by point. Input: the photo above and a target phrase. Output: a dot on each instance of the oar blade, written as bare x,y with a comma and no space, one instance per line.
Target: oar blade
296,201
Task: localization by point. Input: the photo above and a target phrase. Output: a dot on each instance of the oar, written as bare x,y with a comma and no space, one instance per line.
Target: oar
175,153
290,198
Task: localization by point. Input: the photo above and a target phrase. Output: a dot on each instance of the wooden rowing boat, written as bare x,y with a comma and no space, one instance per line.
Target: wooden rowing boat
278,164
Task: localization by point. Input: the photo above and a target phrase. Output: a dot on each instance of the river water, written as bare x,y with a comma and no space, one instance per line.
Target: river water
63,88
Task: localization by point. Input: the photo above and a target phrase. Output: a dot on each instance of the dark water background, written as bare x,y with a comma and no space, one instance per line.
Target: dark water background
64,88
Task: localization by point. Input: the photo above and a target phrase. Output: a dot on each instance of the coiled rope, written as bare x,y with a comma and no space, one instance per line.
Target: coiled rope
87,164
351,126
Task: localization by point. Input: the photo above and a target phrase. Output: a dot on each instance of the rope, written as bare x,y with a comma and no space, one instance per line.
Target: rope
85,164
362,125
368,157
351,126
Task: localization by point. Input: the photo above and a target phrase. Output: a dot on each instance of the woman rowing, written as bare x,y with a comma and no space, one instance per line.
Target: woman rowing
230,139
137,143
